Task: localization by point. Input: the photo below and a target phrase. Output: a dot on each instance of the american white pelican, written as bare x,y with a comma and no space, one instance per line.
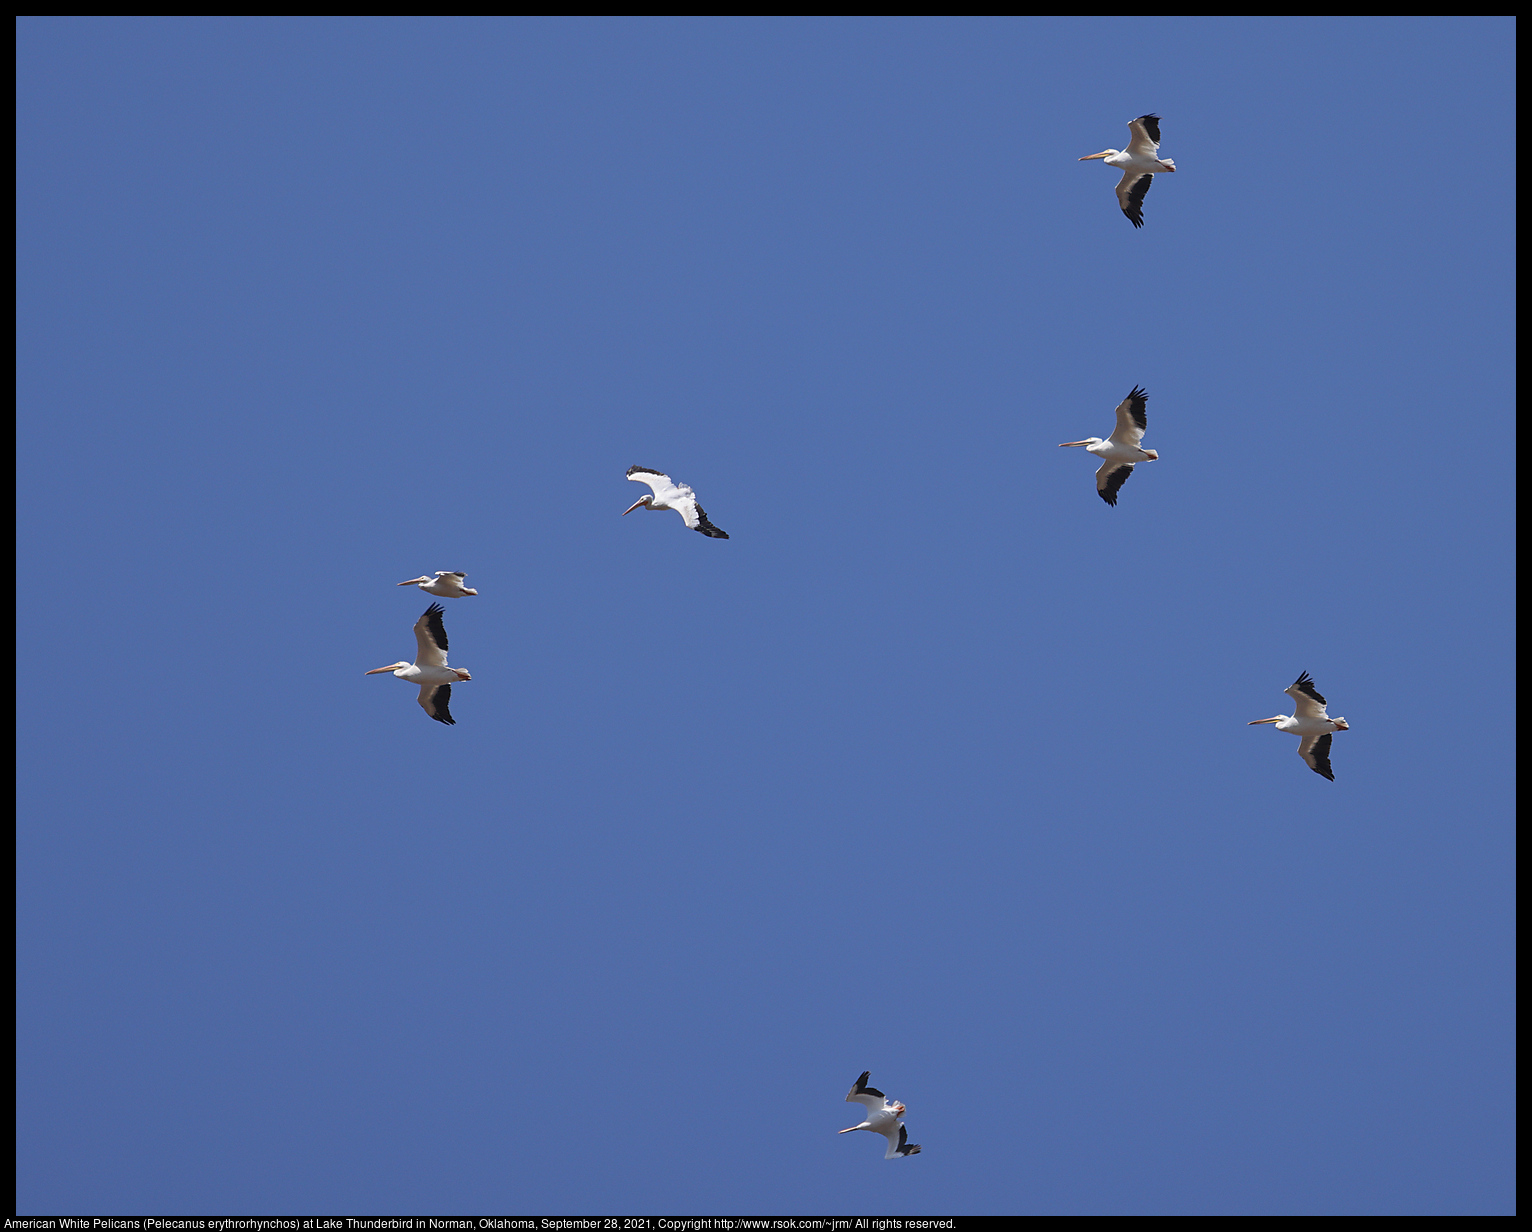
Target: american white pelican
1139,162
447,585
882,1117
1120,450
670,495
1311,722
430,667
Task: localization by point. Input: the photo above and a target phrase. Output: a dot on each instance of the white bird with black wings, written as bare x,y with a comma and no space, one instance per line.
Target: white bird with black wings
430,668
882,1117
446,585
668,494
1121,450
1139,162
1310,722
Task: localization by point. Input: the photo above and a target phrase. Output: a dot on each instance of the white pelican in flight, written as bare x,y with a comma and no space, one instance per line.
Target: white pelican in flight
447,585
1120,450
1311,722
430,668
882,1117
1139,163
670,495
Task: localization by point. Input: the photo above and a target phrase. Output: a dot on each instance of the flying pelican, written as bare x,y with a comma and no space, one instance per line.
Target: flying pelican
1120,450
670,495
430,666
447,585
1311,722
1139,162
882,1117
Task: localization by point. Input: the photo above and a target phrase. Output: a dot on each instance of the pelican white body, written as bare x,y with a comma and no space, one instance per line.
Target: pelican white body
1111,451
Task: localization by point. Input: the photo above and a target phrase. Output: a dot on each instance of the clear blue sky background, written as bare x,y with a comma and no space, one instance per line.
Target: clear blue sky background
938,767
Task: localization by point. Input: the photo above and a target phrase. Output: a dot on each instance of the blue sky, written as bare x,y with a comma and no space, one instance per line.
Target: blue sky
939,767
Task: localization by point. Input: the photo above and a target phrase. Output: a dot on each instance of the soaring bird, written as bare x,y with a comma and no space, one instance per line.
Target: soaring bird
447,585
1311,722
1120,450
670,495
1139,163
882,1117
430,668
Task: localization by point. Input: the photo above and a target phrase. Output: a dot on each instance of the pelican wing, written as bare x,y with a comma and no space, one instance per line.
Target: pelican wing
1316,751
1131,191
694,517
433,700
861,1093
660,483
1145,141
899,1141
1109,479
1131,419
431,638
1308,702
449,585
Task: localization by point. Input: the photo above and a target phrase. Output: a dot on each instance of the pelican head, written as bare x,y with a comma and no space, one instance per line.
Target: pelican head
1341,724
416,581
645,501
1152,454
1103,154
1276,718
460,673
392,667
1089,440
898,1109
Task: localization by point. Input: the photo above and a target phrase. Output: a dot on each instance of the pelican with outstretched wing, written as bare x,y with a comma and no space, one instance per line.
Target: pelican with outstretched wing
668,494
1309,722
882,1117
444,585
430,669
1140,163
1120,451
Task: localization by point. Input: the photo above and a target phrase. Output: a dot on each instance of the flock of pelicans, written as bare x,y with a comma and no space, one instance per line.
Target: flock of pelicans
1119,453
